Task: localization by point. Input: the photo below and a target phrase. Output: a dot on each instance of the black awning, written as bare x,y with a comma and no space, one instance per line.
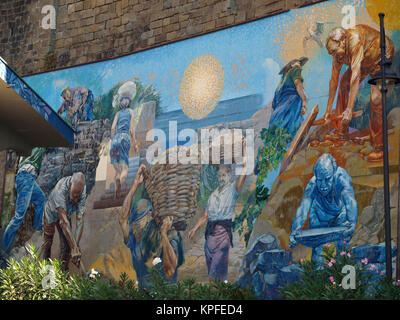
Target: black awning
26,120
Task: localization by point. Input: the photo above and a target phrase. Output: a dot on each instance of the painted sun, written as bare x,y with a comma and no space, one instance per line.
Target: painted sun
201,86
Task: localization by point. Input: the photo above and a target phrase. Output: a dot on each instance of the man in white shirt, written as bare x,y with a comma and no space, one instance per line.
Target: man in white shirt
219,215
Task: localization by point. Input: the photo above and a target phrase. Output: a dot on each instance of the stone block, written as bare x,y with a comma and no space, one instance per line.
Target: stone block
257,283
271,259
263,243
289,274
374,253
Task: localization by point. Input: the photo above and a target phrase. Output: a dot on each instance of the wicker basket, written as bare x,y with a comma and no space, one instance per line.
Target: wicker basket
234,144
173,188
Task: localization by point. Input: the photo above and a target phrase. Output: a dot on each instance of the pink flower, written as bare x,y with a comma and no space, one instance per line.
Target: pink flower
330,264
344,241
372,267
328,245
364,261
382,273
349,255
333,261
342,253
340,284
331,279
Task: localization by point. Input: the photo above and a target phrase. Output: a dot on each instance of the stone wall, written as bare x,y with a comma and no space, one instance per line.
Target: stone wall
92,30
84,157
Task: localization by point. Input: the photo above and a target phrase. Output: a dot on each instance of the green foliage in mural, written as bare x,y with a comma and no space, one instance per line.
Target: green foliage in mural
22,280
103,105
276,141
250,213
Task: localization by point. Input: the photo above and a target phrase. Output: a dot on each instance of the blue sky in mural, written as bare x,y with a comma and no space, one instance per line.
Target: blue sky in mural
248,54
167,64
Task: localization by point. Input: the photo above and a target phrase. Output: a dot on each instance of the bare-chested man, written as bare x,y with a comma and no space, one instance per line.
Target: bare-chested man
358,48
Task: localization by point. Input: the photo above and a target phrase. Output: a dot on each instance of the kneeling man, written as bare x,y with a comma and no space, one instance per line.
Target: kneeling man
329,198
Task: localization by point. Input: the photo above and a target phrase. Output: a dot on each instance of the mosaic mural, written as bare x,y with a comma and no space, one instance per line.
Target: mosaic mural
229,156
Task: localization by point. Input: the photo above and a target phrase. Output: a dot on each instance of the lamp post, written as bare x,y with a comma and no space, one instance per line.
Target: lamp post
383,80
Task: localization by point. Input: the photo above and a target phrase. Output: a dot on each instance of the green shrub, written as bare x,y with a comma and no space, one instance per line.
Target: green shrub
22,280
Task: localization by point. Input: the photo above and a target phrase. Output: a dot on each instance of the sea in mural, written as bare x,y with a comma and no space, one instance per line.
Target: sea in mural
288,94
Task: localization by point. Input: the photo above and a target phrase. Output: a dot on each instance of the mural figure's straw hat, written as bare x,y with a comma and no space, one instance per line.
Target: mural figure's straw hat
127,90
286,68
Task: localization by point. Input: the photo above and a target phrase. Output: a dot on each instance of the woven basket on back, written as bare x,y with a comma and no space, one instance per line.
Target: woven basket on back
173,188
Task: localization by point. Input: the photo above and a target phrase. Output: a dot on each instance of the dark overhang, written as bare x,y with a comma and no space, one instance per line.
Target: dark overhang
26,120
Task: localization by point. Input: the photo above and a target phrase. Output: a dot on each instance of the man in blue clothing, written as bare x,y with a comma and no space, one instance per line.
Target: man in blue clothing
28,191
149,238
329,200
78,102
290,101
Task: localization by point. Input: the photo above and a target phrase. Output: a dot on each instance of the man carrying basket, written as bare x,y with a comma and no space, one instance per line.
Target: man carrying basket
219,215
151,240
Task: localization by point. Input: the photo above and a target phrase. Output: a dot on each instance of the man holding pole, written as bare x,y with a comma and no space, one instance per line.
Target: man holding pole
67,197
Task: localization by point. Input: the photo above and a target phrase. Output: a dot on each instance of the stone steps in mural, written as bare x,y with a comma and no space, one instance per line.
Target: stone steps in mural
108,200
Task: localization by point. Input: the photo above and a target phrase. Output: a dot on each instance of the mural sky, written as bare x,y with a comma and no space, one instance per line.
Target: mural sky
251,56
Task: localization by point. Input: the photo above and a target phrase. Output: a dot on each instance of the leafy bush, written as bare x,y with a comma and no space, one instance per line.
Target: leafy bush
324,282
22,280
276,140
250,212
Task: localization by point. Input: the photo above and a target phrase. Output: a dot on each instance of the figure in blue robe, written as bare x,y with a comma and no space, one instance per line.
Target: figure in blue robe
290,102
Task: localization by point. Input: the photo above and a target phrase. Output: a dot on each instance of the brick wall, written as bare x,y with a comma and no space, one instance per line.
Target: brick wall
91,30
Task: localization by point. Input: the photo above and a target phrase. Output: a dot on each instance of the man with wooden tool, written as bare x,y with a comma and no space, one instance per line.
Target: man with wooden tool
67,197
359,49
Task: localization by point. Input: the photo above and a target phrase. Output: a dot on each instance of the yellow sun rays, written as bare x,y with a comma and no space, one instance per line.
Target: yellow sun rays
391,9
